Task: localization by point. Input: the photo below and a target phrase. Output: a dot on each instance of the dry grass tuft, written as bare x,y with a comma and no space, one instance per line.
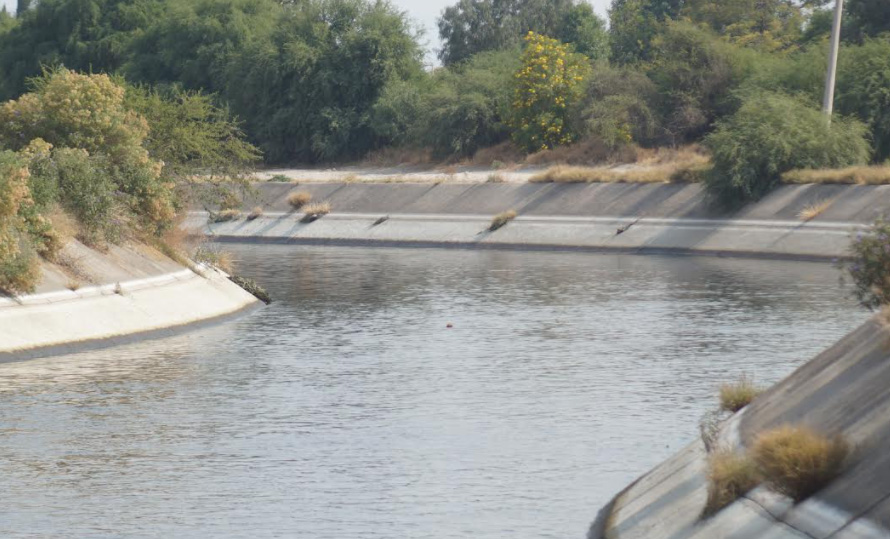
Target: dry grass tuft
350,178
496,178
315,211
586,152
255,213
73,285
875,175
730,476
280,178
737,395
215,257
501,219
225,216
797,461
811,211
299,199
498,156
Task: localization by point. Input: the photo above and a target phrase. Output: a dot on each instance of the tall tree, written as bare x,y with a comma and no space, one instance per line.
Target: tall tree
473,26
22,7
634,24
867,18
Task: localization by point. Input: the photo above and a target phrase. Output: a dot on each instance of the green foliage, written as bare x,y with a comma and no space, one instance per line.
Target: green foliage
549,83
769,25
83,35
863,89
866,18
87,191
773,133
869,265
308,94
633,24
696,73
620,106
466,108
473,26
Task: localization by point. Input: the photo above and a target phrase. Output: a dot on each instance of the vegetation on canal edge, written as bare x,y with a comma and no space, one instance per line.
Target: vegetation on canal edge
730,475
797,461
735,396
80,160
251,286
500,220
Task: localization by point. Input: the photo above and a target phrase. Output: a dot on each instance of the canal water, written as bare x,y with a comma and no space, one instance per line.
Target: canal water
349,408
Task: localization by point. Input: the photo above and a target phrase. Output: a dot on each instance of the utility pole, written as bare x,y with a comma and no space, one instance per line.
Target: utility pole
828,101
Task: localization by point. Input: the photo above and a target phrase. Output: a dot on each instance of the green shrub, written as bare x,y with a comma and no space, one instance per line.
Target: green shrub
869,266
862,89
772,134
87,192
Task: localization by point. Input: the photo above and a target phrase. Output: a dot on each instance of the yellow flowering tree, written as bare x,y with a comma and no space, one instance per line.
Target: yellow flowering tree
549,81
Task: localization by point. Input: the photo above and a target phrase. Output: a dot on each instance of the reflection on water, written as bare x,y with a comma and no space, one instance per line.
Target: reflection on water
348,409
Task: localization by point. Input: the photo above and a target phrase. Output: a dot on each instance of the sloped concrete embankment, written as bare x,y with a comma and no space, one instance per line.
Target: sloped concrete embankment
131,293
845,390
620,217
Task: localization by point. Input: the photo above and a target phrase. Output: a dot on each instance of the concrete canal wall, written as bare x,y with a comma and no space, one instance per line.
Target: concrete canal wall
126,294
845,390
640,218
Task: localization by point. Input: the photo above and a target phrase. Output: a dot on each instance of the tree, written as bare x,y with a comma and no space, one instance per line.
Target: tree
307,93
549,81
473,26
22,7
770,25
634,24
866,18
84,35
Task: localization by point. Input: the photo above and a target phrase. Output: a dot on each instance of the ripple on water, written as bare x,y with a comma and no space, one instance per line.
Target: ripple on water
347,408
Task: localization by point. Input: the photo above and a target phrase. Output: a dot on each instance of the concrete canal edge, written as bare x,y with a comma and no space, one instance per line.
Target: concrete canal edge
66,321
632,218
841,391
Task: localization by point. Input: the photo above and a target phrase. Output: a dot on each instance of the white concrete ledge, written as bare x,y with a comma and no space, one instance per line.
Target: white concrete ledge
70,320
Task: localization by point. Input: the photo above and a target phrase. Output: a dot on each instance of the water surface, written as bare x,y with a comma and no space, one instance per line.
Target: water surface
349,409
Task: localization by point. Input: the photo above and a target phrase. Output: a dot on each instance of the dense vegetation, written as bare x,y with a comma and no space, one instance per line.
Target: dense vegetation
336,80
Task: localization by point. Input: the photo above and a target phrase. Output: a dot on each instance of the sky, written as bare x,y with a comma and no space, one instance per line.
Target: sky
424,12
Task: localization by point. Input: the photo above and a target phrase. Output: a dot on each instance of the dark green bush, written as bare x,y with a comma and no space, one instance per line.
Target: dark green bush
773,133
869,265
87,191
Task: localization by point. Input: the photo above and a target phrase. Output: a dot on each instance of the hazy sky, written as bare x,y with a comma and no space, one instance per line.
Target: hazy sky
423,11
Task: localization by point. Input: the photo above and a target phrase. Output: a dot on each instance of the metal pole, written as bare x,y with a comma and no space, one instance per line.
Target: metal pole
828,101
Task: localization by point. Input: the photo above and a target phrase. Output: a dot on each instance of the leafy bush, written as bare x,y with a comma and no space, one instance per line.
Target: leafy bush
862,89
18,267
620,107
869,266
466,107
730,476
549,82
797,461
772,134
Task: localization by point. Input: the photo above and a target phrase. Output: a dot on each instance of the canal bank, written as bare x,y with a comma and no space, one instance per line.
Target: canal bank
97,299
636,218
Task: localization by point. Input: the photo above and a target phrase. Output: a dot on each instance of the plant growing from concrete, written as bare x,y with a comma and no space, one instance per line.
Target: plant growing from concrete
495,178
869,265
730,476
798,461
500,220
252,287
314,211
224,216
255,213
813,210
299,199
279,178
737,395
215,257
